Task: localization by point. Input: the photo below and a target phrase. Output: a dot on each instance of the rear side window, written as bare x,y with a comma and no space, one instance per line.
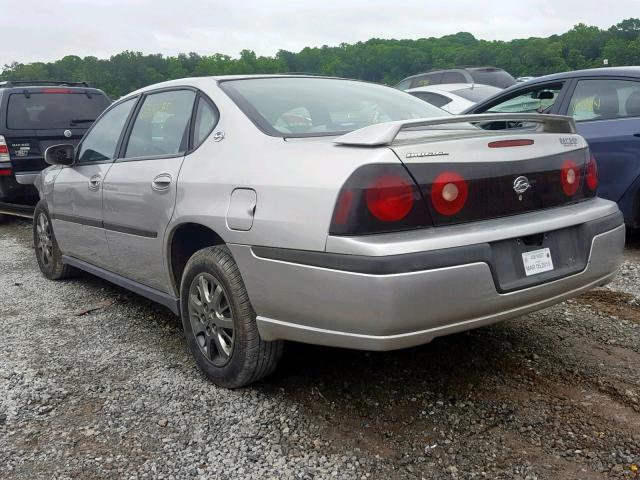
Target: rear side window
206,120
495,77
161,126
453,77
426,80
100,143
432,98
477,93
404,85
605,99
56,108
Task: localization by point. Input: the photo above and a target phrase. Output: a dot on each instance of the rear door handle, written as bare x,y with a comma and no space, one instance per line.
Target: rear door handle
161,182
636,134
95,181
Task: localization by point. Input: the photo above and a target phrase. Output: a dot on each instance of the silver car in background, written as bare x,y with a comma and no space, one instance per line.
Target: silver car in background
454,98
323,210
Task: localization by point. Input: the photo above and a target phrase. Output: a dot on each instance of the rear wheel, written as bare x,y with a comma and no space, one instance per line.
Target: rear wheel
47,251
219,322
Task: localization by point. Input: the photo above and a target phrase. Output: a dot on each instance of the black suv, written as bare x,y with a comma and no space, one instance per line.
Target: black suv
493,76
33,116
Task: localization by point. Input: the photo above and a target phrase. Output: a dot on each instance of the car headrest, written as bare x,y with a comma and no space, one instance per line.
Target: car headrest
606,104
633,104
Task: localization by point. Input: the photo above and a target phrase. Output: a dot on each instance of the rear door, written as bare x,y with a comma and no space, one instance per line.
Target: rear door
37,119
607,114
140,188
77,196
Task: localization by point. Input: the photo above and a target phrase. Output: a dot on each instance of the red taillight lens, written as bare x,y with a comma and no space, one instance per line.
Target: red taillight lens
5,172
4,150
379,198
390,198
591,174
449,193
570,177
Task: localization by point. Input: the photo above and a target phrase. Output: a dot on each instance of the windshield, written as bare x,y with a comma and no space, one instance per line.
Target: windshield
304,107
476,94
39,111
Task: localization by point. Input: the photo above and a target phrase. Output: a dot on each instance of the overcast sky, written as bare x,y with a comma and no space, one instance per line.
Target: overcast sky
38,30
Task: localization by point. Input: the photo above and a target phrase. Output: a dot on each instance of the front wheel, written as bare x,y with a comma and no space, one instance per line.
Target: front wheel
219,322
47,251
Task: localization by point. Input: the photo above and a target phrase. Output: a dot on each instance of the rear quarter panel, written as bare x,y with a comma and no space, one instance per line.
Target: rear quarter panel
296,181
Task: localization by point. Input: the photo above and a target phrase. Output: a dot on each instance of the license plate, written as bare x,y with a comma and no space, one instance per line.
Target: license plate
537,261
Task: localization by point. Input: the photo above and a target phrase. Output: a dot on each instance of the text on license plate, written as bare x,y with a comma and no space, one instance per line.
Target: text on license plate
537,261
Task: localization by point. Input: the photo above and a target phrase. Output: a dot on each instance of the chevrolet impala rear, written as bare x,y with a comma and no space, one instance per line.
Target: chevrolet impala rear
398,232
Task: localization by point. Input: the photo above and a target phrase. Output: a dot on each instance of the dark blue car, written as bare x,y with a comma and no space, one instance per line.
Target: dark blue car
605,103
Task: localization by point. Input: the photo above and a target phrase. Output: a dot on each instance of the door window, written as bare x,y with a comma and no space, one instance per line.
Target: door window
162,124
538,99
206,120
605,99
100,143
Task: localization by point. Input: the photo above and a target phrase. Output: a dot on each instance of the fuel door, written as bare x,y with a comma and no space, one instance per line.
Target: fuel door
242,208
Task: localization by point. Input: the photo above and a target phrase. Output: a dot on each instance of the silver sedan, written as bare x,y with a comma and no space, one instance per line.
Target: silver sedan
323,210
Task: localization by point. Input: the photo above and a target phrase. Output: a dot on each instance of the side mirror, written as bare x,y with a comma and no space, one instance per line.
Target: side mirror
60,155
544,95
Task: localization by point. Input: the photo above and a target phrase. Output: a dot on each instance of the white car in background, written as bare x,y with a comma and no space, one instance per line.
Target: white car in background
454,98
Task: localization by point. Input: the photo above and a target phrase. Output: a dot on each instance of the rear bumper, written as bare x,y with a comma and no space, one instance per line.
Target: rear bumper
406,304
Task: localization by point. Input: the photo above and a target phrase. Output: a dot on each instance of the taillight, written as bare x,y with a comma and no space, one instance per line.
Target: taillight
390,198
570,177
379,198
56,90
449,193
5,172
4,150
591,174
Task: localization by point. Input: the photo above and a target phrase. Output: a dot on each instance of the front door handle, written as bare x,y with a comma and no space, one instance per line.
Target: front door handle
95,181
161,182
636,134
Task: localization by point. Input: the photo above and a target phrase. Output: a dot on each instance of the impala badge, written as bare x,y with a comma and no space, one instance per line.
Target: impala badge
521,185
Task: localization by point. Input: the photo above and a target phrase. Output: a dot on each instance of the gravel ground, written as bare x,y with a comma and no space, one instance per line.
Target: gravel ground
96,382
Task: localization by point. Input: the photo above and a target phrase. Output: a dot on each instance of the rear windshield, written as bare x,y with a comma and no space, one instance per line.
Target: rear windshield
496,78
304,107
477,94
38,111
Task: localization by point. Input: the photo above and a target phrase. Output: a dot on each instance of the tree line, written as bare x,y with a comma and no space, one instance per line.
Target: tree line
378,60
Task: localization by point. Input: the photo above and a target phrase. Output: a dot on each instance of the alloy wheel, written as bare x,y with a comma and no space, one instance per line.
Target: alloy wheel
211,318
44,244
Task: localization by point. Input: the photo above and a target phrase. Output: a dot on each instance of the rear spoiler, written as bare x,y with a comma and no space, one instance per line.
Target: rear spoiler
382,134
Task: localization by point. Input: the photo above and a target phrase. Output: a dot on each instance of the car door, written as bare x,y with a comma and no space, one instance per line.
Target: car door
607,115
76,209
140,188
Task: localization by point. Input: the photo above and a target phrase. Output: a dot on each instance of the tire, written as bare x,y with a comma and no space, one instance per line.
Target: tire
46,247
220,324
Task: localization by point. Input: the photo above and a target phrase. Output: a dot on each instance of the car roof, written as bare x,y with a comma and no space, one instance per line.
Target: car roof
451,87
453,69
633,71
197,81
